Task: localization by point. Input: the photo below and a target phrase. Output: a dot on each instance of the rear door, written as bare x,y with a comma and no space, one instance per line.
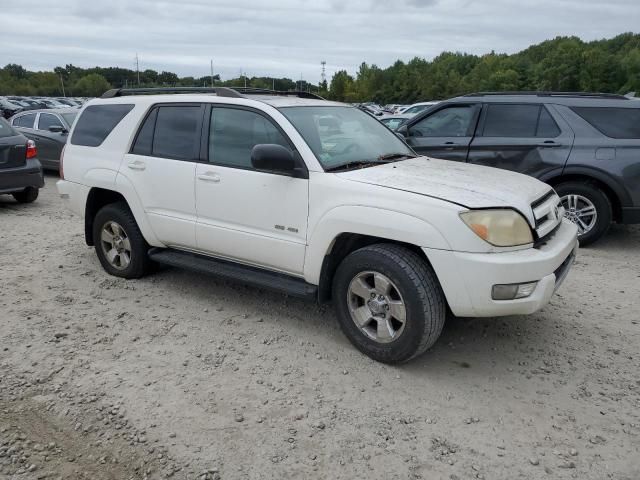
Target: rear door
49,143
162,164
444,133
521,137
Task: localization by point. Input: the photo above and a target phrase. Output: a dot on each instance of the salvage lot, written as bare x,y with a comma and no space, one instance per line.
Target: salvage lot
185,376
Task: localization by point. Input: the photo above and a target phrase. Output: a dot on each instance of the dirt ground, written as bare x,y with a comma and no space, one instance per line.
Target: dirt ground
184,376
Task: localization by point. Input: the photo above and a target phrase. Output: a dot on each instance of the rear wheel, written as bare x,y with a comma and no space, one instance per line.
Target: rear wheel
28,195
119,244
588,207
389,302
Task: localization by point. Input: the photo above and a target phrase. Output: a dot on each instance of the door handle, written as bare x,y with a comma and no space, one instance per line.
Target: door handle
137,165
209,177
449,145
549,144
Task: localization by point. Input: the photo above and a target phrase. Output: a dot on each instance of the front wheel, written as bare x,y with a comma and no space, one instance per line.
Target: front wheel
588,207
389,302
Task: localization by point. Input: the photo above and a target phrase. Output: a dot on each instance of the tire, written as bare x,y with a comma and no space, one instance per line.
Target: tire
118,220
413,283
28,195
586,192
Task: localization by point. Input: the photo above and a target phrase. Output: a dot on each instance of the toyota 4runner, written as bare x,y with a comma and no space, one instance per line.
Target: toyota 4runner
317,199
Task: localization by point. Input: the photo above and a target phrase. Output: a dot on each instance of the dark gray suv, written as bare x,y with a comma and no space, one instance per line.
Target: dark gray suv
587,146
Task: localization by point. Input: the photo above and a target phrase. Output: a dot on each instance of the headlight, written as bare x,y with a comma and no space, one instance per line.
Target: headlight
502,228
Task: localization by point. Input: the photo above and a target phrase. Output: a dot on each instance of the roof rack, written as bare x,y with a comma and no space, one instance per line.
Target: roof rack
233,92
612,96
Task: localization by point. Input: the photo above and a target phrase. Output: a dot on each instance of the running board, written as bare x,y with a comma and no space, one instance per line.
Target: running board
253,276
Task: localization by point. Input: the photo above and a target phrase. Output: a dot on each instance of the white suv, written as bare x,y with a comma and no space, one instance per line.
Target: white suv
316,199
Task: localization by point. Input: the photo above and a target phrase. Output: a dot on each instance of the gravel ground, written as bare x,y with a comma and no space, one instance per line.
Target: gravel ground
183,376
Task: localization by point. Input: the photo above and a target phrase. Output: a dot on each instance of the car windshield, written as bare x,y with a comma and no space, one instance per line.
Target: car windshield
343,136
69,117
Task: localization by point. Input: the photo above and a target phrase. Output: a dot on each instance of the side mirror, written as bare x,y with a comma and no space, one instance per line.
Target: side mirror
57,129
403,130
273,158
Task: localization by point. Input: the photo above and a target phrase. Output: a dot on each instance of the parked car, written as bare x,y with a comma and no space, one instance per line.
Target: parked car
587,146
8,108
20,170
394,121
317,199
416,108
49,129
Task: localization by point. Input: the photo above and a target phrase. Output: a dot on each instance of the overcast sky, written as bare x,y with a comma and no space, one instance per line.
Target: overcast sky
288,37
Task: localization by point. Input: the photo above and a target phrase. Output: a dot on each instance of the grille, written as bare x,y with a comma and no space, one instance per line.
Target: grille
548,213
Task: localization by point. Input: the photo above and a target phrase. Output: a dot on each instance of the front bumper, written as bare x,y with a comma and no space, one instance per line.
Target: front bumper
468,278
16,179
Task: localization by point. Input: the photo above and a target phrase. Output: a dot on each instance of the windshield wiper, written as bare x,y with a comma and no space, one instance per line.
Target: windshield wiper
356,164
396,156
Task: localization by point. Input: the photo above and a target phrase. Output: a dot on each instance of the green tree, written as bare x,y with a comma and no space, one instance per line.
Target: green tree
92,85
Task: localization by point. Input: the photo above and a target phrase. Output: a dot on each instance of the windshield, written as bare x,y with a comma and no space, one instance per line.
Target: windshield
345,135
69,117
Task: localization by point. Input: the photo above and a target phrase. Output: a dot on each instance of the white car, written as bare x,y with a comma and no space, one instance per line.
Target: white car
416,108
316,199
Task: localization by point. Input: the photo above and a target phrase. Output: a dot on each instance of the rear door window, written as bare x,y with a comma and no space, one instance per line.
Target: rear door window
177,132
25,121
519,120
96,123
613,122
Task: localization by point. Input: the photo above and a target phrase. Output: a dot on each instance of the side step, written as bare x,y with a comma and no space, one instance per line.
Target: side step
253,276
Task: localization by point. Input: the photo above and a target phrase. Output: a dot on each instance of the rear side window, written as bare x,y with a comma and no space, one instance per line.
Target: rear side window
25,121
5,129
523,121
612,122
96,123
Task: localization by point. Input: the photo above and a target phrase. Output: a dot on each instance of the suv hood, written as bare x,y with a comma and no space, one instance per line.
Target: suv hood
468,185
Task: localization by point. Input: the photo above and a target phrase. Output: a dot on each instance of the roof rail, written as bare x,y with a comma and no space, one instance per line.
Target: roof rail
233,92
612,96
219,91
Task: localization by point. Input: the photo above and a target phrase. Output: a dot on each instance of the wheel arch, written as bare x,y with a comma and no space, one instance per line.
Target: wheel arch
616,196
99,197
346,243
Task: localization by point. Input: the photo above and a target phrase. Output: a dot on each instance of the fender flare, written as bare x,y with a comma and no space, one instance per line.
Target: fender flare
369,221
599,175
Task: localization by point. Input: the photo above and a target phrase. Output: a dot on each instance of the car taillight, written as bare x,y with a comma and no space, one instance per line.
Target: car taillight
61,170
31,149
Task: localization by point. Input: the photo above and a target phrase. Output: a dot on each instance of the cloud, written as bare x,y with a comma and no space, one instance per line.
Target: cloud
288,37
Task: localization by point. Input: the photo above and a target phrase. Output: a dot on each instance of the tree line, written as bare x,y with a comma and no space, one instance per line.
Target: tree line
562,64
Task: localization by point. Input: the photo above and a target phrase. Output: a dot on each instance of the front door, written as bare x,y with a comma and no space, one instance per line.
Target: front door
49,143
445,133
255,217
521,137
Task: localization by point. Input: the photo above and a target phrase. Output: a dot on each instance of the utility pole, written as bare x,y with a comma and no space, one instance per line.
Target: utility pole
62,83
137,69
274,84
212,73
323,75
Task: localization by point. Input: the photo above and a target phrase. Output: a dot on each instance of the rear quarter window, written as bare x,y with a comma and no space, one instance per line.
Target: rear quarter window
96,123
611,121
